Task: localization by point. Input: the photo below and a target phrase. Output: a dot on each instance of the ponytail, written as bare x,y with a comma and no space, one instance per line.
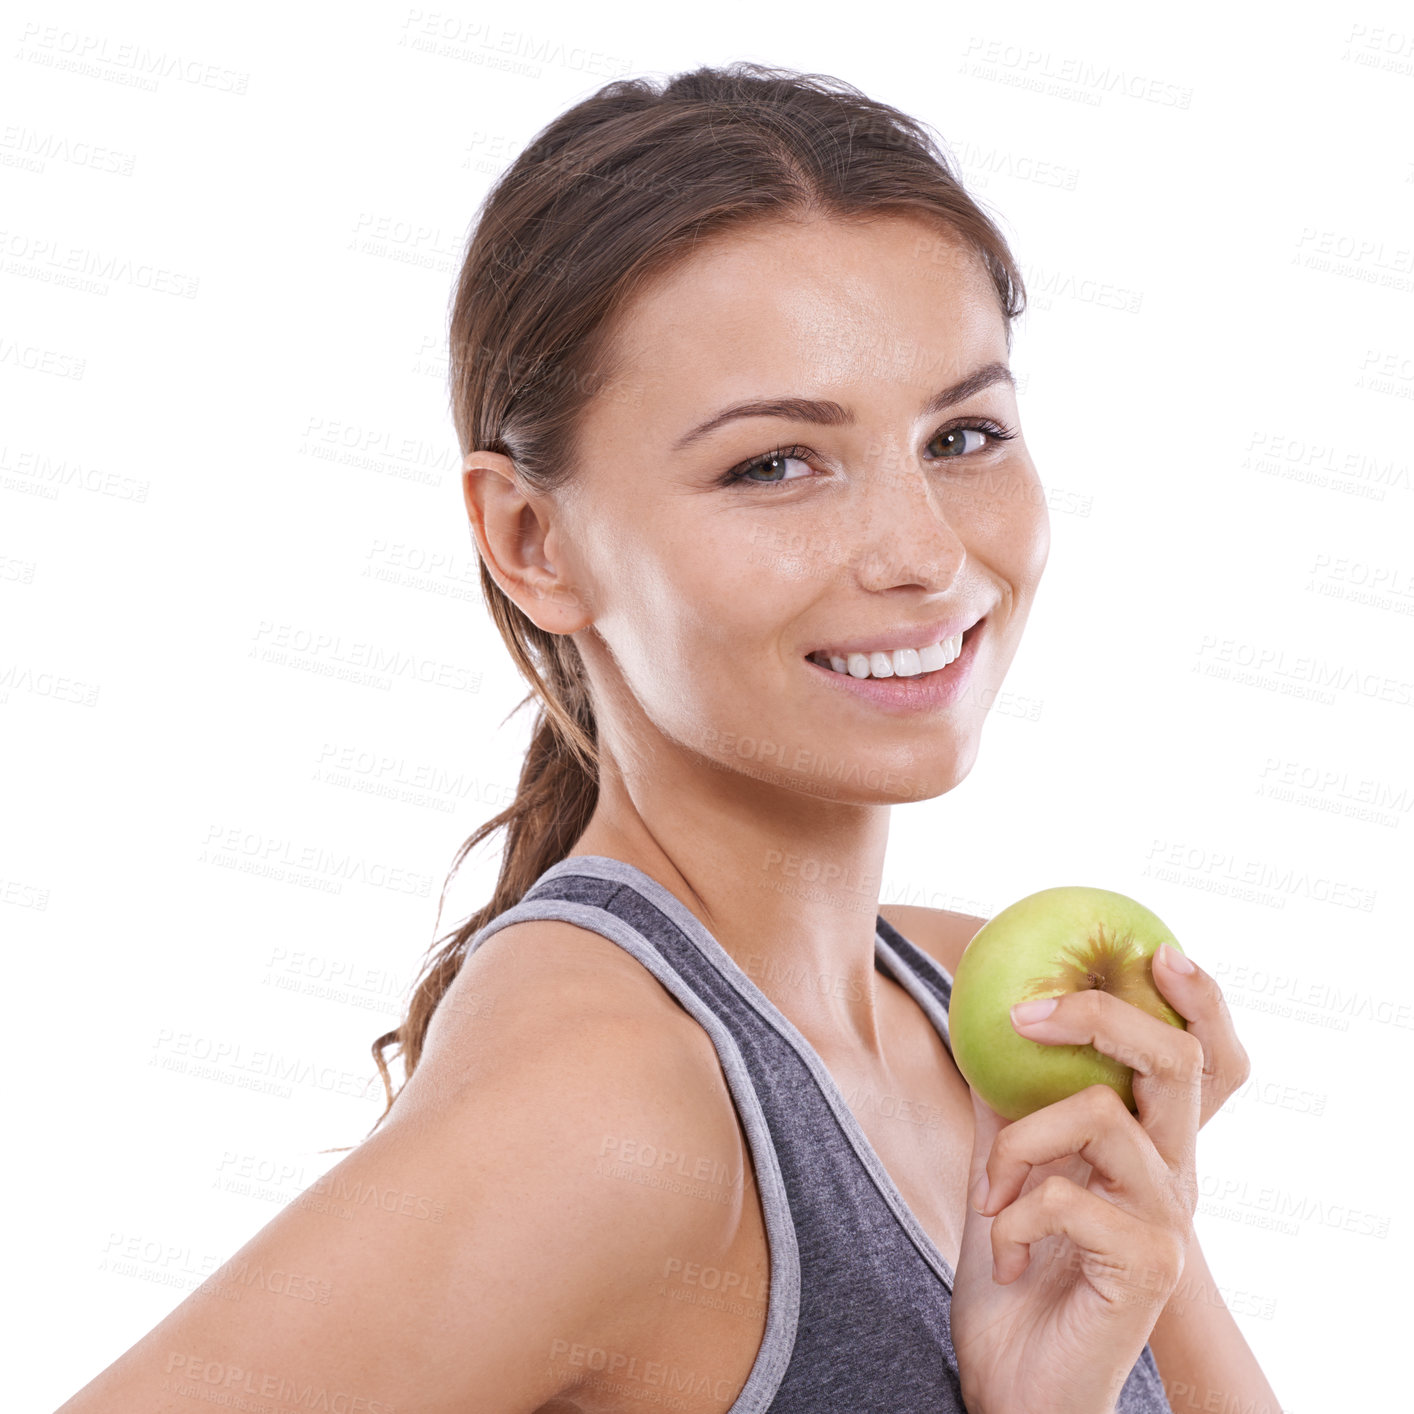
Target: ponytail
555,798
617,189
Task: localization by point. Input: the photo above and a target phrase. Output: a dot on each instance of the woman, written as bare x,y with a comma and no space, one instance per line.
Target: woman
757,521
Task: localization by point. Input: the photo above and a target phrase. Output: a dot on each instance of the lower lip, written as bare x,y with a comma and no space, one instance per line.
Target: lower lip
923,692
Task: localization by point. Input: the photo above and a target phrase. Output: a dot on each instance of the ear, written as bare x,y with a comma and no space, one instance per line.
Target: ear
516,534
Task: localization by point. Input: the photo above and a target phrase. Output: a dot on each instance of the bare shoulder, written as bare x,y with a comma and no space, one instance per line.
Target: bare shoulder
644,1121
585,1024
939,933
504,1217
527,982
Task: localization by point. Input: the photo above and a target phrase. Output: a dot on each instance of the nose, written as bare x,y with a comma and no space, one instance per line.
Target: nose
904,536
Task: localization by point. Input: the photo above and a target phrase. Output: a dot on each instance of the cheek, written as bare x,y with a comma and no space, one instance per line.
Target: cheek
684,625
701,629
1009,528
1034,541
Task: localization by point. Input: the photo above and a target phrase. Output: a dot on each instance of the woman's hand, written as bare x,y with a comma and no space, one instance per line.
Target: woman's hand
1198,999
1080,1213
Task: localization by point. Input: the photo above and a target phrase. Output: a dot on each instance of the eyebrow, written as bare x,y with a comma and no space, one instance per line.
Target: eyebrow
832,414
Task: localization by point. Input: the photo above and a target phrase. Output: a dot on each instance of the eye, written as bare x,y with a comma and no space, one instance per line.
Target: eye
773,463
954,439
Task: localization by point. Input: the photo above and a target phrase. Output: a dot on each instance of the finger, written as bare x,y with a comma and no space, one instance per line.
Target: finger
1167,1061
1093,1123
986,1125
1197,998
1118,1253
975,1249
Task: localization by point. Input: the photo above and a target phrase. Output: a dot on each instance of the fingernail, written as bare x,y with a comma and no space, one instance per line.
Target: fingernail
1026,1012
1174,960
980,1189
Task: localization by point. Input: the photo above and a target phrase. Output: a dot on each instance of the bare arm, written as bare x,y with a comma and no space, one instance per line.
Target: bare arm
1202,1357
492,1248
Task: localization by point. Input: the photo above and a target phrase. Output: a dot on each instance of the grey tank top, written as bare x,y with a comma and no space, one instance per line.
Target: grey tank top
857,1316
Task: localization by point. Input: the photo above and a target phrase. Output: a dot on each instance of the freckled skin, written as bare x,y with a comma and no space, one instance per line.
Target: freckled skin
708,598
695,604
733,771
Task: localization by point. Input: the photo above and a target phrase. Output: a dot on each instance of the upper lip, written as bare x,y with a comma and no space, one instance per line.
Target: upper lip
904,636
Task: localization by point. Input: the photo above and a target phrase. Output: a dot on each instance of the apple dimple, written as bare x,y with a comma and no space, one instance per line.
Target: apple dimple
1060,940
1109,960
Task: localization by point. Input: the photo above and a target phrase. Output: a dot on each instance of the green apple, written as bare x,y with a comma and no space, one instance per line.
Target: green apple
1049,943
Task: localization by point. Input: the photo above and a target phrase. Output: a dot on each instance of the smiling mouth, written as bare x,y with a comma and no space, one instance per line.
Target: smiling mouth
900,662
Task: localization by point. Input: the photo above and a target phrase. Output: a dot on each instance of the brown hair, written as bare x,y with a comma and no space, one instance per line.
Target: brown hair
618,189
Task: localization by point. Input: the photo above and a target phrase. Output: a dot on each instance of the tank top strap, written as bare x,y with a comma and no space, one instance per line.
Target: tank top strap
926,980
859,1299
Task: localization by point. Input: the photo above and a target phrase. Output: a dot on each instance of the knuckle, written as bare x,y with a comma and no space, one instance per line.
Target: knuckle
1191,1053
1054,1193
1104,1103
1002,1146
1089,1004
1163,1266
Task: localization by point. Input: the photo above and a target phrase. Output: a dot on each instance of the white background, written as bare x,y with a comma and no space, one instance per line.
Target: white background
233,433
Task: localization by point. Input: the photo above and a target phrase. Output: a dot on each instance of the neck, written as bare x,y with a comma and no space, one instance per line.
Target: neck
787,884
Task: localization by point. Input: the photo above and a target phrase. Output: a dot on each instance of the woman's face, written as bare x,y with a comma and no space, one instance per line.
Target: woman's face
889,521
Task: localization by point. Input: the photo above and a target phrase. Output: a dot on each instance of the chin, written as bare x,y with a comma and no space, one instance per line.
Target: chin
893,782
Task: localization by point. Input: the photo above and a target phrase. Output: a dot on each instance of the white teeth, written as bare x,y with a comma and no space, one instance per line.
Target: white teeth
935,655
902,662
